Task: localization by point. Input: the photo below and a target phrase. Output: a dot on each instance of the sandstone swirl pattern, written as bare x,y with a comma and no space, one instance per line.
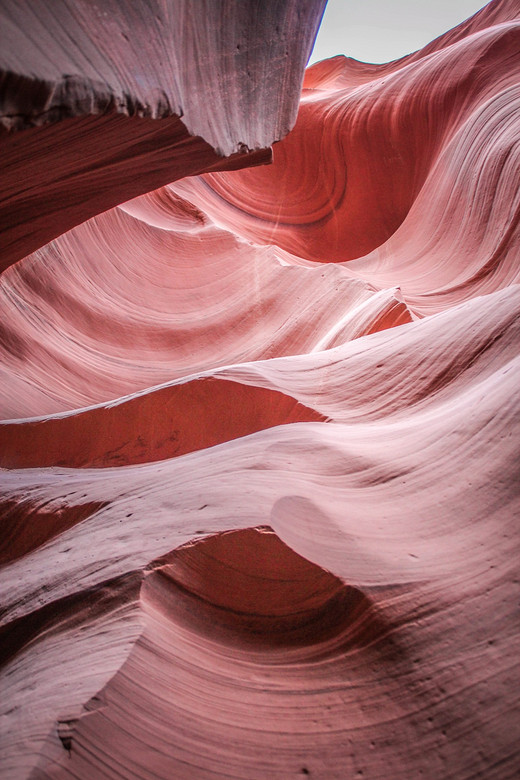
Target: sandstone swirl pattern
260,429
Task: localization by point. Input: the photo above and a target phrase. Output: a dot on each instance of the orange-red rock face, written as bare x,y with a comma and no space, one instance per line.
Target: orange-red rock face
381,169
85,81
259,431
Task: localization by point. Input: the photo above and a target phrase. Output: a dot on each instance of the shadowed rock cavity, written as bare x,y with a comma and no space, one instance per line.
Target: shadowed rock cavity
249,587
245,643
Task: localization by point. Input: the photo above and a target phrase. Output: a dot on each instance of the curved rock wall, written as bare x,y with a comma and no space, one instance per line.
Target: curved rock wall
259,438
84,79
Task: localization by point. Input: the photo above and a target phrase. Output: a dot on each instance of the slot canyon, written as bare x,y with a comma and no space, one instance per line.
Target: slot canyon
260,408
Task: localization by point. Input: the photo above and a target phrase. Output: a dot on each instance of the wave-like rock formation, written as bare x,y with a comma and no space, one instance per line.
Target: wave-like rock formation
117,98
259,435
408,170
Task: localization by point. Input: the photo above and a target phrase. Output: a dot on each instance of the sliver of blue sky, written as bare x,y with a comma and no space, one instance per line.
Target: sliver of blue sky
384,30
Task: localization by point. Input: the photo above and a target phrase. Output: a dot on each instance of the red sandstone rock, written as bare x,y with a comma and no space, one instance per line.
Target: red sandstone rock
381,168
403,504
128,305
260,509
84,81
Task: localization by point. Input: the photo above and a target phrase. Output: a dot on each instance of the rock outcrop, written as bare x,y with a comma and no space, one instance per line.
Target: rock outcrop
116,99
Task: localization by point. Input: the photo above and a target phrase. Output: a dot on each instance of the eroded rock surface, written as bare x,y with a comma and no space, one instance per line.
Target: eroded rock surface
259,432
115,99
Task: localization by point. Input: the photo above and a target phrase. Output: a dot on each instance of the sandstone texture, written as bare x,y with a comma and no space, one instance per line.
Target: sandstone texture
260,409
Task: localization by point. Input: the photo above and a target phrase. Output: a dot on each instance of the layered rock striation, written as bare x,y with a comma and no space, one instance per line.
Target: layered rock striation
85,80
259,436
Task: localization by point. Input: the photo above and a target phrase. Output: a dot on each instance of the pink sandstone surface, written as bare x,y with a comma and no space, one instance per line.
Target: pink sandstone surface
259,428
